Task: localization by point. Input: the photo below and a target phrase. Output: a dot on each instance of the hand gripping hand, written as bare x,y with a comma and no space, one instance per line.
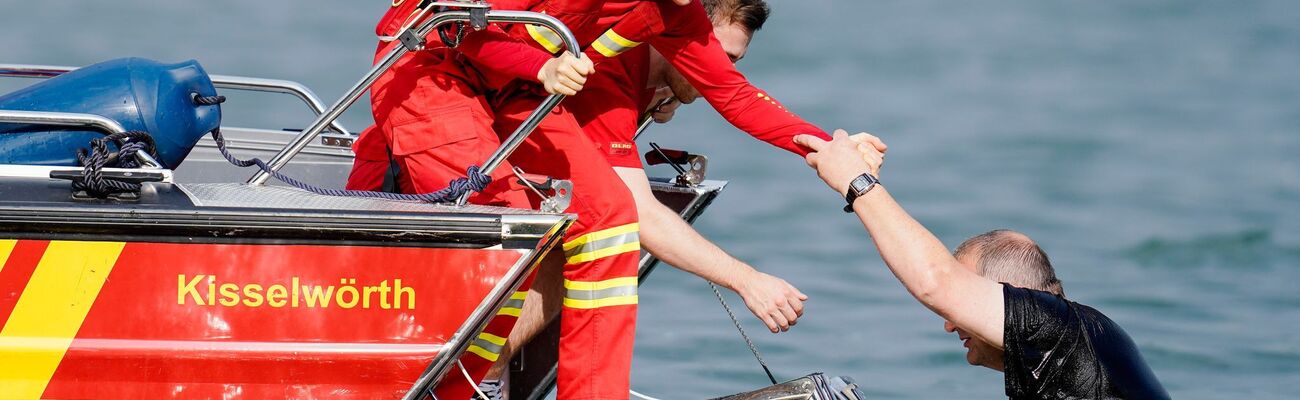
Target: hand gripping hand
844,157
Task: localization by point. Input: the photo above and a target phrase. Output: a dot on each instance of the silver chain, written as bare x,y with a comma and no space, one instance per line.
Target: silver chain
752,348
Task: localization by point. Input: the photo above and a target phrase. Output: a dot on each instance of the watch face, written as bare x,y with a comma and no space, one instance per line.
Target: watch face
860,183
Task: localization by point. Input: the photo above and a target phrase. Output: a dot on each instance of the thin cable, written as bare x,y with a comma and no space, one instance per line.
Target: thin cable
639,395
471,381
752,348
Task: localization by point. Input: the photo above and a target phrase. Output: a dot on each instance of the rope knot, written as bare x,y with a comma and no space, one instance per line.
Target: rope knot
92,180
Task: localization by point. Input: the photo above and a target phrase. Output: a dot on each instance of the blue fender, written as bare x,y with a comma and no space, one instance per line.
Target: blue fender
139,94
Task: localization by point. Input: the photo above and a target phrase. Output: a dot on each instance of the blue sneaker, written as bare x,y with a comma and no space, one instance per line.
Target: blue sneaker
492,388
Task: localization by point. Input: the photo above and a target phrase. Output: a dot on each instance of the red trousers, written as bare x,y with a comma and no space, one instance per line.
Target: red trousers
435,117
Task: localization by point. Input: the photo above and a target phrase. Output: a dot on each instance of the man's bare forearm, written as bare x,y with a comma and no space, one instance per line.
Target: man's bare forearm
916,257
663,232
921,262
666,235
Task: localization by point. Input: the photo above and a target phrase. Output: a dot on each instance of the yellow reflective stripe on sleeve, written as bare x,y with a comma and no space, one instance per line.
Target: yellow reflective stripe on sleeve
620,40
6,248
50,311
603,234
611,44
545,36
603,50
487,345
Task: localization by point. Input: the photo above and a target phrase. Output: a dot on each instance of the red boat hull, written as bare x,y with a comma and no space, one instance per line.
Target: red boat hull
149,320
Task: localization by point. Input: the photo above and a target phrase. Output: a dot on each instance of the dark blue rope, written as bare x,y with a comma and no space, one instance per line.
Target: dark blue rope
475,180
92,180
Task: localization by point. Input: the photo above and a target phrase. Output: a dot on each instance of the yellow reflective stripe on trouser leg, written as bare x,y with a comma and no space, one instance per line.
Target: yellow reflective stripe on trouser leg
546,37
611,292
612,44
515,305
605,243
50,312
488,346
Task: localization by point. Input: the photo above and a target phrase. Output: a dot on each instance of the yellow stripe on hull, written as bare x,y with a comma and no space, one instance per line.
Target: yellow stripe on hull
51,310
6,247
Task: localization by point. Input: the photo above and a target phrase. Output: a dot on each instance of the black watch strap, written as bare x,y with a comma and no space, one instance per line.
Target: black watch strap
860,186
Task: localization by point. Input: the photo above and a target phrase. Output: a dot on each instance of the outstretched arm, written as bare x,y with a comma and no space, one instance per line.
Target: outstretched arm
665,235
697,54
916,257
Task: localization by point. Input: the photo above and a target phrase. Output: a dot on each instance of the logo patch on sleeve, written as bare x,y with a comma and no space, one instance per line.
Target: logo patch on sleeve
621,148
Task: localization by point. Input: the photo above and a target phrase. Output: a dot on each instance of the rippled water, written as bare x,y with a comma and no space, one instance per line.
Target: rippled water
1151,148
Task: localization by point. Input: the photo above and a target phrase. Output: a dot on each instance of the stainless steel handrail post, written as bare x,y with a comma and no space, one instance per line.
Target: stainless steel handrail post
423,29
292,88
516,138
73,119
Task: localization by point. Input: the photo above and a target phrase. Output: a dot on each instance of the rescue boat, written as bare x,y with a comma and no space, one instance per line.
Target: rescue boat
201,283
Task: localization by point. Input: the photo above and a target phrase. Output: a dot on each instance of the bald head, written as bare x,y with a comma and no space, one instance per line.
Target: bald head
1008,256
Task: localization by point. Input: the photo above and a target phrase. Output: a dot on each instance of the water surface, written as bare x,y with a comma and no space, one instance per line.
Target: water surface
1150,147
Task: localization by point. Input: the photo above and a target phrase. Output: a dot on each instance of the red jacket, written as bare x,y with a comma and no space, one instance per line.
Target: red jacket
683,34
688,44
519,51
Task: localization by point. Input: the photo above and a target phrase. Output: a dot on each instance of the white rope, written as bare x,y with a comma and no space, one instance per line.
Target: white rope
634,393
471,381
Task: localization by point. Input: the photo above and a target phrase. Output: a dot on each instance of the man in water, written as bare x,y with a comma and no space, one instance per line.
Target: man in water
999,293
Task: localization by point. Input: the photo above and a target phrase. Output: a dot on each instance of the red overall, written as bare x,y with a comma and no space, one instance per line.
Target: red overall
610,104
438,111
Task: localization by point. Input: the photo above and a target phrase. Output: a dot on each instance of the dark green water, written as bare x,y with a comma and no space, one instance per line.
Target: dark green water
1152,148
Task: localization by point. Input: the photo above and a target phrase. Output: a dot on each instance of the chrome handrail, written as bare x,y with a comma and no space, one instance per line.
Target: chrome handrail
220,81
424,26
73,119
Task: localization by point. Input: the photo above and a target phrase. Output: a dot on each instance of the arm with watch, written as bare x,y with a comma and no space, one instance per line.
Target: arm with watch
851,166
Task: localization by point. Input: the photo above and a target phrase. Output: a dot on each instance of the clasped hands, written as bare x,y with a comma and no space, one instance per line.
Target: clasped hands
844,157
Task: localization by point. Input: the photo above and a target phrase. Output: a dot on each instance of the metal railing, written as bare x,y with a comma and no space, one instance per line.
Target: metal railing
421,27
220,81
96,122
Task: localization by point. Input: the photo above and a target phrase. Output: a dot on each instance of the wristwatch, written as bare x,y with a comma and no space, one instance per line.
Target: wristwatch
860,186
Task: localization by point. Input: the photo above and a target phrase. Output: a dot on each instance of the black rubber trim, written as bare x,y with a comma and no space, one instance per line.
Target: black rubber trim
44,208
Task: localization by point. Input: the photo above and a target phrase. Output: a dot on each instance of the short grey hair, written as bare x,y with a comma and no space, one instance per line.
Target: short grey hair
1008,256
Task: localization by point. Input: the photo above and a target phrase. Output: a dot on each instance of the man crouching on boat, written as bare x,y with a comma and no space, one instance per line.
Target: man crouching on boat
999,292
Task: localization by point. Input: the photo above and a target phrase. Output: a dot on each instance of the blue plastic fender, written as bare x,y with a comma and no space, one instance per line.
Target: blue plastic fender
139,94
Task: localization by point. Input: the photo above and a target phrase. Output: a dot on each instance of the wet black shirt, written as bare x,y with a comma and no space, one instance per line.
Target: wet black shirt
1059,349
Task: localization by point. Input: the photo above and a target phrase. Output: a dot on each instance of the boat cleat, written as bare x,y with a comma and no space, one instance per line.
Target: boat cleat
691,168
562,190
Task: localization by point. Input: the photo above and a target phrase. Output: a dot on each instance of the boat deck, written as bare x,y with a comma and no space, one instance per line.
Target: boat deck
239,212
